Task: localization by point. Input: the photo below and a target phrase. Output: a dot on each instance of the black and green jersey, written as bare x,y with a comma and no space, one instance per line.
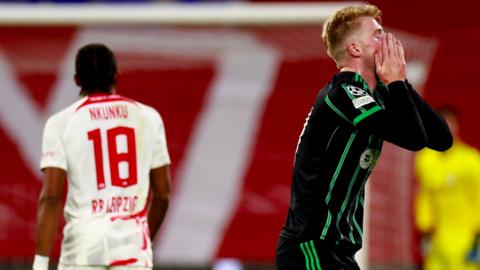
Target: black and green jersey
338,148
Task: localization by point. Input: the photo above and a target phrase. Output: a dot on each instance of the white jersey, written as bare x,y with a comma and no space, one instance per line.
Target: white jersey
107,144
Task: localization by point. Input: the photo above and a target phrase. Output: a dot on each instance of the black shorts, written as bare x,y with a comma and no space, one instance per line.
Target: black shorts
314,255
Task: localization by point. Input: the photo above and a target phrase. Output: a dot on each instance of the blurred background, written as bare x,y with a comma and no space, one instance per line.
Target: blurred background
234,96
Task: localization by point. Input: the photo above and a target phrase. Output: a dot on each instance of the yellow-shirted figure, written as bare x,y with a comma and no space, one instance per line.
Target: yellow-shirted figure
447,204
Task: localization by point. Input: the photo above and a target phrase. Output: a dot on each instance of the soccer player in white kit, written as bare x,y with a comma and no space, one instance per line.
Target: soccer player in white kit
112,152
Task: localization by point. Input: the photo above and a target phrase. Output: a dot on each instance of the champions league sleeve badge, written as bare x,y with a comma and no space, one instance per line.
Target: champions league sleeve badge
356,91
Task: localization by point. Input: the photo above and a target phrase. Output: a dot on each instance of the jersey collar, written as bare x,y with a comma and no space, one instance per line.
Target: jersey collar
354,78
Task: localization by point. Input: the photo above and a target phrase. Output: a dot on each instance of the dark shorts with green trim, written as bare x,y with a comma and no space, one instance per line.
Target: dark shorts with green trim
313,255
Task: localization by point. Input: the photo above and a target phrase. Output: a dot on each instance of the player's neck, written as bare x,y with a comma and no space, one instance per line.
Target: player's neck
367,74
86,92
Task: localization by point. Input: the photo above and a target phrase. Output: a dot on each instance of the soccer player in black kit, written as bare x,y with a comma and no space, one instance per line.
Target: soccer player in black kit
367,102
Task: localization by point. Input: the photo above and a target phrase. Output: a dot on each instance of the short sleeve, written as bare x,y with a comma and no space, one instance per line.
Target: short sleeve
160,150
53,150
352,103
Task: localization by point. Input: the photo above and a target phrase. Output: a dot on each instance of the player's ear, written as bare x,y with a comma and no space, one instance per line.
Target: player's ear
76,79
353,49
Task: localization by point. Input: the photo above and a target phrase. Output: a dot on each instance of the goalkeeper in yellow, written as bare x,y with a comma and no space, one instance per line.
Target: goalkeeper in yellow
447,205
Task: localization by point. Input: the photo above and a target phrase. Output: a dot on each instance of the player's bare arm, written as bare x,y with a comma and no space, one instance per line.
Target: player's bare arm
49,211
160,188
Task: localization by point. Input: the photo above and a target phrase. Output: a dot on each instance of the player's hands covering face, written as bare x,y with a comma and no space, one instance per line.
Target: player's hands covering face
390,61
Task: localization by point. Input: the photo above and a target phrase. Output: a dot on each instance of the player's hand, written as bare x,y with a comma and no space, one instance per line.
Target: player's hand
390,61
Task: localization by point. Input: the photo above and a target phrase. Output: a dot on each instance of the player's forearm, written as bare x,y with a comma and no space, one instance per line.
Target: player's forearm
157,213
407,117
400,123
438,134
47,224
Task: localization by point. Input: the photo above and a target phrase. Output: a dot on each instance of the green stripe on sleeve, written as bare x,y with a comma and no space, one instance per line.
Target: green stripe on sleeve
366,114
335,109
